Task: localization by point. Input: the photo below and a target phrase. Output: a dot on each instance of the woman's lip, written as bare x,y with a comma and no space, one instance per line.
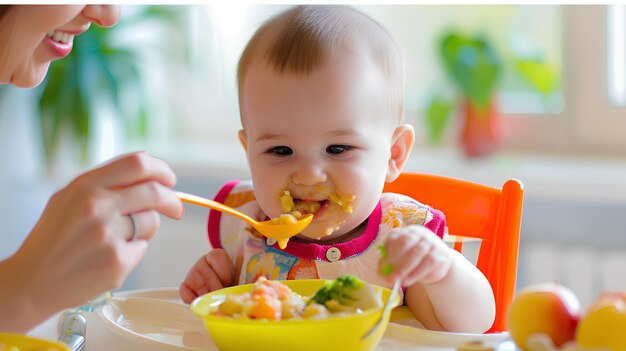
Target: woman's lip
56,49
74,31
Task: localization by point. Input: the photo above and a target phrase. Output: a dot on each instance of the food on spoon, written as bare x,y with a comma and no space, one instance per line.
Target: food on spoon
274,301
286,218
286,201
311,207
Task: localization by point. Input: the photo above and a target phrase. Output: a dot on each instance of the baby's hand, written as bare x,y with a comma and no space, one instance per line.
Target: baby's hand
211,272
415,254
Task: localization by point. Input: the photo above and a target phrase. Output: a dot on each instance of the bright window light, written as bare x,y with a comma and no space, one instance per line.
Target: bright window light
616,35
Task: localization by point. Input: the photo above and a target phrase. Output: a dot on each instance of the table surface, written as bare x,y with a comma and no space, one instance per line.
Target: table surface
47,330
101,337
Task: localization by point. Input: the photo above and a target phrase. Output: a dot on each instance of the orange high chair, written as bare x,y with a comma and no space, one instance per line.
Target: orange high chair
473,210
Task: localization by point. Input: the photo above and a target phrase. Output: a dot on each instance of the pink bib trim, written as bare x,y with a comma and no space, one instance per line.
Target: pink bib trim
213,226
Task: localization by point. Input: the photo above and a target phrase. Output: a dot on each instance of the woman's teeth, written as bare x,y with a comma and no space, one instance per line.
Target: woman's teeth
61,37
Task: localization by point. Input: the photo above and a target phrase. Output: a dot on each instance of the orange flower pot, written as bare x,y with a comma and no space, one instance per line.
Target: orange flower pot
482,132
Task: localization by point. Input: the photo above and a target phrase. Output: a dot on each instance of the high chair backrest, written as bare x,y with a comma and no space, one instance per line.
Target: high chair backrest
474,210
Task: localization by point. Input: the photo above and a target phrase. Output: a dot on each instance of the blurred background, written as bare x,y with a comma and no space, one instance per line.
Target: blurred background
534,92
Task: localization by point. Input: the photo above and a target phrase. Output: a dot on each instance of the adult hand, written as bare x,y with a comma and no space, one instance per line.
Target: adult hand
211,272
80,246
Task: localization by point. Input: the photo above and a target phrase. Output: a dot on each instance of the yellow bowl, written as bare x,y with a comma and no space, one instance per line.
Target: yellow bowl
27,343
334,333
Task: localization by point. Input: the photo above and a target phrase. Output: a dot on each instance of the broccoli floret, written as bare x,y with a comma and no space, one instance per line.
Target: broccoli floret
348,290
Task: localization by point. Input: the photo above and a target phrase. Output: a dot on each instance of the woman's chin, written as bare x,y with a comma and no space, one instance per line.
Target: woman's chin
31,78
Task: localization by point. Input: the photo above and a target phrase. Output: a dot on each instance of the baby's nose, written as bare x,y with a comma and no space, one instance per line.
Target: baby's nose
309,173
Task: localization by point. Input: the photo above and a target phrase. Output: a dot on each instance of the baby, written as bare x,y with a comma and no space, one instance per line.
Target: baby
321,100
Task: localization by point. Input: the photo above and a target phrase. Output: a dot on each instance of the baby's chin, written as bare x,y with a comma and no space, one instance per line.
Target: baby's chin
323,231
318,235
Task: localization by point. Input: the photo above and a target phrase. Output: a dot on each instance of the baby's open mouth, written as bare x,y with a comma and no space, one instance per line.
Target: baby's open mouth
315,207
310,206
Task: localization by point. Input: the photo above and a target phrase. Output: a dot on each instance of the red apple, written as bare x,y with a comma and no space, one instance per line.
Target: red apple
547,308
604,325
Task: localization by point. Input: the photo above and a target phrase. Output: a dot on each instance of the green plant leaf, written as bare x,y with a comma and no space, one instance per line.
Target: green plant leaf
540,74
97,70
472,64
437,116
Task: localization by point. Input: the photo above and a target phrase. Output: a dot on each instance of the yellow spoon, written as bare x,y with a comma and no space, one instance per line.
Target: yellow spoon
270,229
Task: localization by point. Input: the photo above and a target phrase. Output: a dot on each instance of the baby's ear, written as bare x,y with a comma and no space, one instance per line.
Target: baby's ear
402,143
243,139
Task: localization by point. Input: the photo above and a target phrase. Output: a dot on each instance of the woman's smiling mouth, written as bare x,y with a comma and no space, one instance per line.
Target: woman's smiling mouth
59,44
60,37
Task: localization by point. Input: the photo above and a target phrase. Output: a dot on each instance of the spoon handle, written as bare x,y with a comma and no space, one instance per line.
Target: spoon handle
201,201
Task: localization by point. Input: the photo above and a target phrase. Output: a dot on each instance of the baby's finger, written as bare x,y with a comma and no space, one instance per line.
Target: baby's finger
193,286
186,293
222,266
411,259
396,246
430,270
130,169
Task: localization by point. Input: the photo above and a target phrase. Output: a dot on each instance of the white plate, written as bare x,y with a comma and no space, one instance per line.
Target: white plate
409,332
157,320
152,319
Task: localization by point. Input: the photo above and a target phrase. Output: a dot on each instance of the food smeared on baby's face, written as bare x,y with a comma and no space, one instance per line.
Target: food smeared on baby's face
342,200
317,207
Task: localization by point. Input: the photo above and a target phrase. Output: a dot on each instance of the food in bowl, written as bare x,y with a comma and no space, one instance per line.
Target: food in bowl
275,301
336,331
5,347
19,342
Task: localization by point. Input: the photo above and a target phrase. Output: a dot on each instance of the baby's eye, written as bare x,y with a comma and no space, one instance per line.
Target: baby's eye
338,149
280,151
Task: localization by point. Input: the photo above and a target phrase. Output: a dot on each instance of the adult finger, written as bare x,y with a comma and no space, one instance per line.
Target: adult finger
146,224
130,253
146,196
130,169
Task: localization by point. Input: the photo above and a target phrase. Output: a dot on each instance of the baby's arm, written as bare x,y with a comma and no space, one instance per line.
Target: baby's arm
211,272
444,290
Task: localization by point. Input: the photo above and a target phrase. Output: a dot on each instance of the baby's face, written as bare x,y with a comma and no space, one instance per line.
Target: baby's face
322,136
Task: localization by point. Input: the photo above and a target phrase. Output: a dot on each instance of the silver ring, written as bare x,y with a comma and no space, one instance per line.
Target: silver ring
135,231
